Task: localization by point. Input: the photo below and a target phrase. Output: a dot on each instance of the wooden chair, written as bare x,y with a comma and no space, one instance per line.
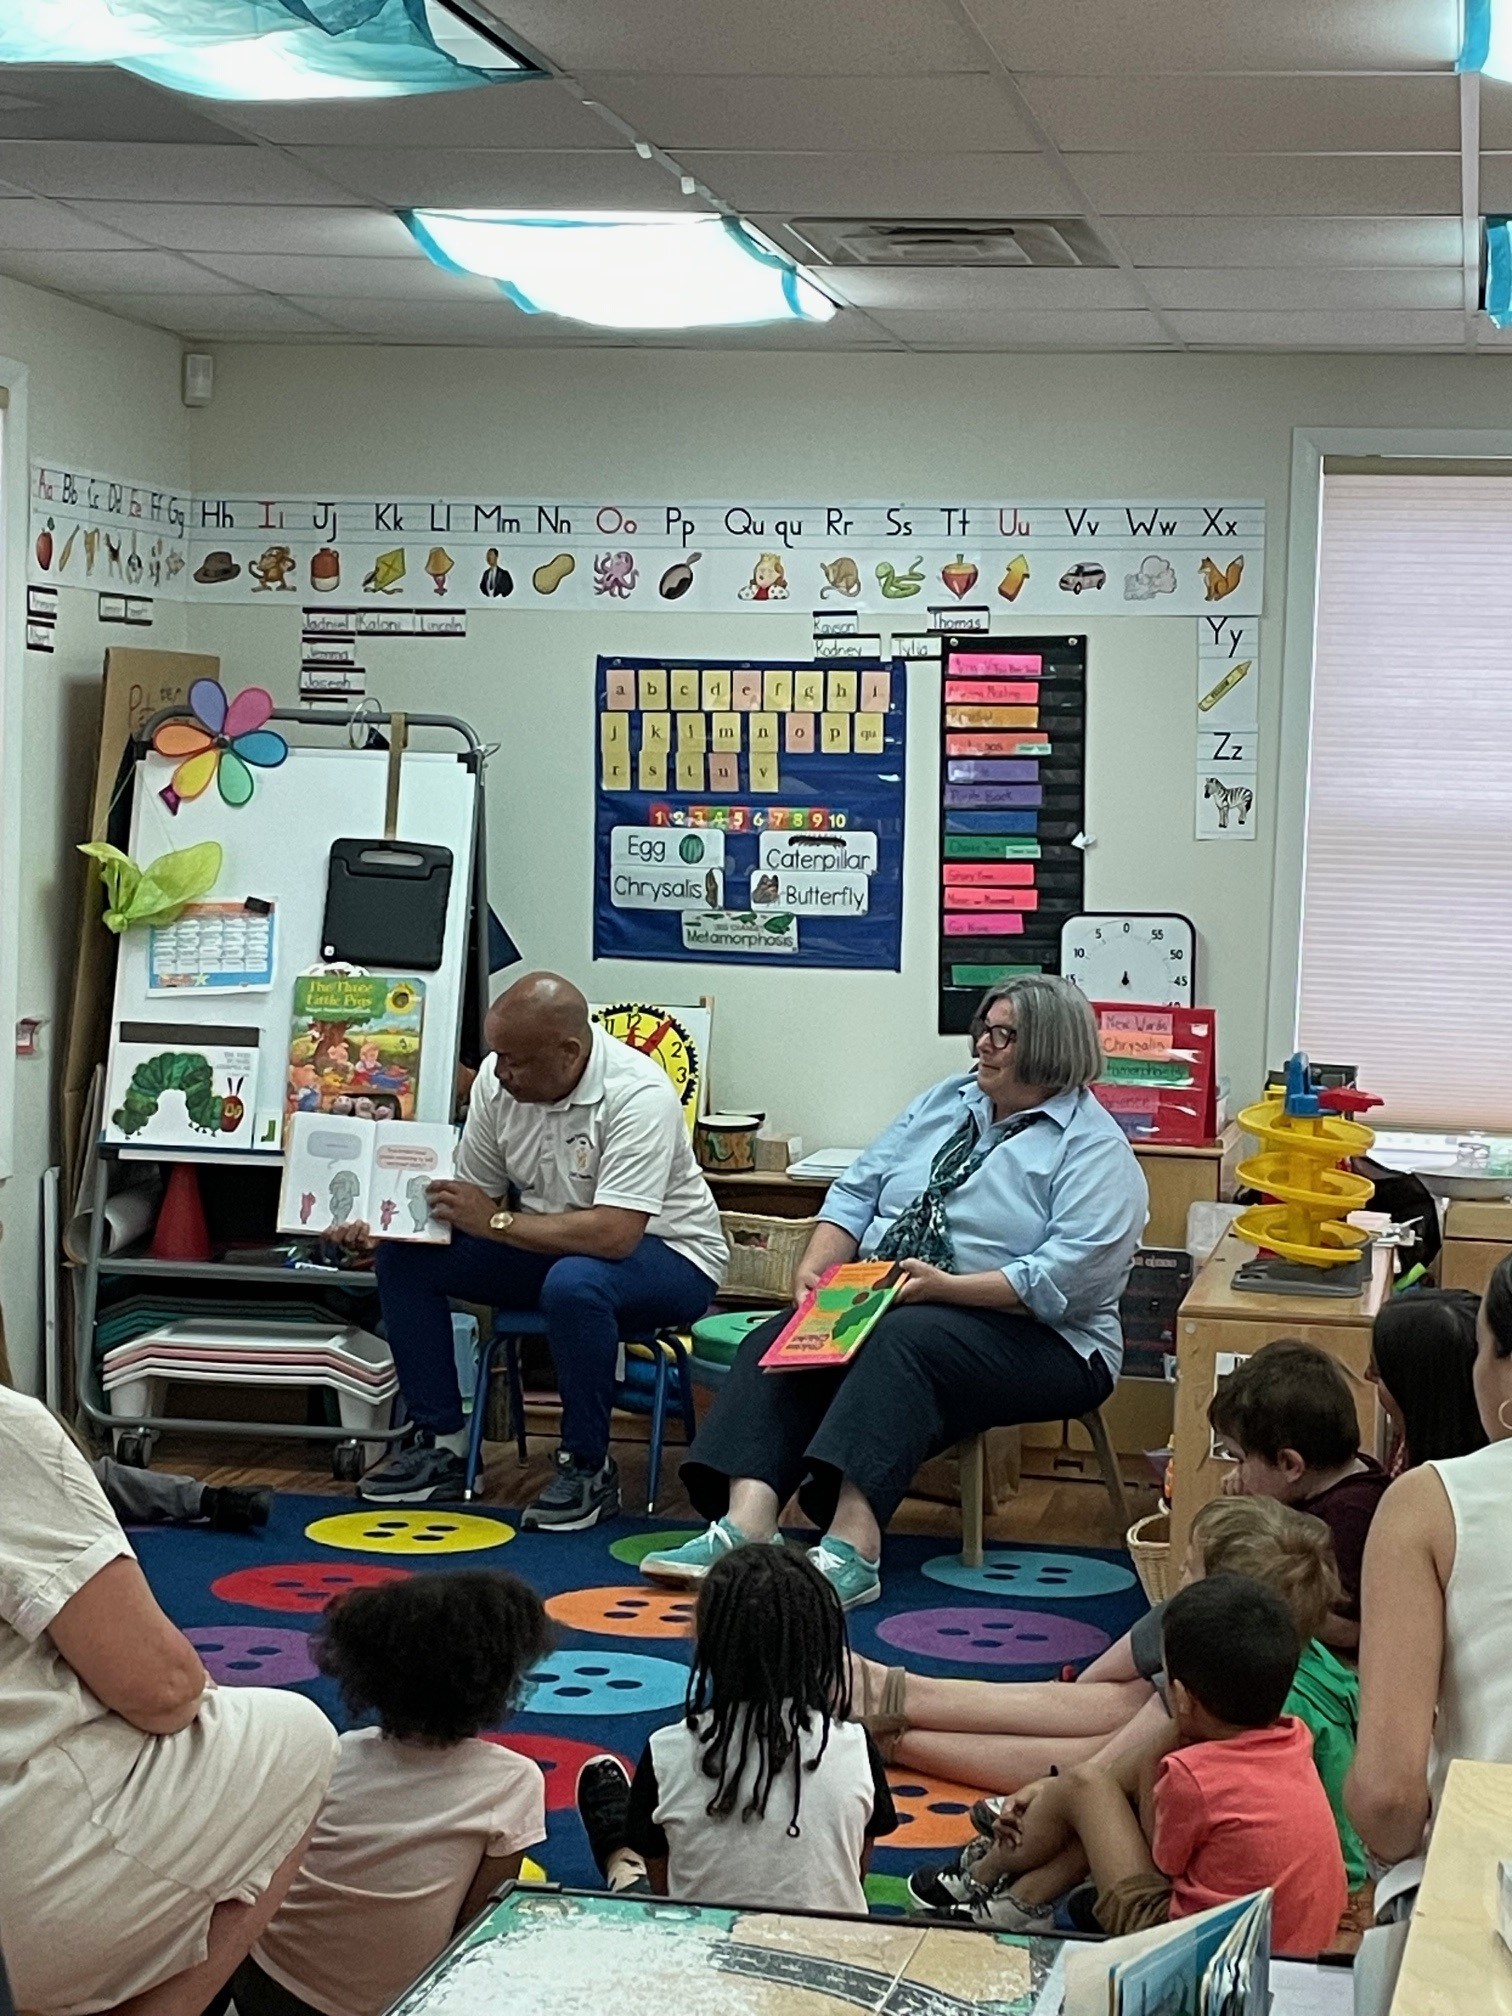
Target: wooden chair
971,1457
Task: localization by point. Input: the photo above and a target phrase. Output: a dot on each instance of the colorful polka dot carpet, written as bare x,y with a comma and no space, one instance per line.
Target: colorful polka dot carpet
619,1666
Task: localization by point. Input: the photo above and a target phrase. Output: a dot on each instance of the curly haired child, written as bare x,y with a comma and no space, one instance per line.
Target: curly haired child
765,1793
423,1821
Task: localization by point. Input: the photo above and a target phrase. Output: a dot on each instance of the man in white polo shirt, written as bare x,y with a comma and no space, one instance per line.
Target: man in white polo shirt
576,1193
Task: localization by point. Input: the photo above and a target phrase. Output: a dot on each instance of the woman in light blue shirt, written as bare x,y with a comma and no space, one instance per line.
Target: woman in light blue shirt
1013,1204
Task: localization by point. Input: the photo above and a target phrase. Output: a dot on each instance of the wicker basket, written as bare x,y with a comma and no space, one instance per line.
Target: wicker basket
1149,1543
764,1252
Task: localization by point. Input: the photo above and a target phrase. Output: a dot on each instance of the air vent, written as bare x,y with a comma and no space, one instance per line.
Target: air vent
1002,241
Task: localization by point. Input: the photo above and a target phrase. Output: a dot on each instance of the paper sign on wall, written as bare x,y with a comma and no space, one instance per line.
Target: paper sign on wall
1228,722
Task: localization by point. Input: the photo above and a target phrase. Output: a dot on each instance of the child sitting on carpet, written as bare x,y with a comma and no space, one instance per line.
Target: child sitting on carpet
1235,1806
1292,1554
765,1793
1287,1418
423,1821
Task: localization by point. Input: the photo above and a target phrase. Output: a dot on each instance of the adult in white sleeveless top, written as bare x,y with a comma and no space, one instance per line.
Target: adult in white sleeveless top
1436,1604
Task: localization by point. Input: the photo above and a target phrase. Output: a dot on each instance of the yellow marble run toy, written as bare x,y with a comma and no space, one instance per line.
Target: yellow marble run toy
1305,1137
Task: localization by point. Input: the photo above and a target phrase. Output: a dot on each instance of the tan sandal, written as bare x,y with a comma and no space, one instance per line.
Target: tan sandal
883,1713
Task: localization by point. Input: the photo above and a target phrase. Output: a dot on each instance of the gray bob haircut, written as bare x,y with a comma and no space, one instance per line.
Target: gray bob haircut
1057,1032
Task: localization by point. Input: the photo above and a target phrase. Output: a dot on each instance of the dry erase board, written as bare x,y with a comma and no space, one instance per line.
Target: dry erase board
275,850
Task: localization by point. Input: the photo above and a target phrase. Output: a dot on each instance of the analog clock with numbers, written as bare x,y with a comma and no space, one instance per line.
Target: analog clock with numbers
1131,955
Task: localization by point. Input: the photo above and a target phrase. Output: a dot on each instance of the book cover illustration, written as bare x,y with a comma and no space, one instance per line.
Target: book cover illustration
836,1316
340,1170
355,1048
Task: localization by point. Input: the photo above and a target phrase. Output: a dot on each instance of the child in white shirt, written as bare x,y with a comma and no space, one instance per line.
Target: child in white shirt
423,1820
765,1793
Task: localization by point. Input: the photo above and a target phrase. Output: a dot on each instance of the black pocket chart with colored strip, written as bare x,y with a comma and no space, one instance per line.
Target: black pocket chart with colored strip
1012,785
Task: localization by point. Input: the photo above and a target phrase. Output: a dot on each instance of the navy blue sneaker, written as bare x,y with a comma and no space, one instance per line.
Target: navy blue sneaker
418,1475
576,1497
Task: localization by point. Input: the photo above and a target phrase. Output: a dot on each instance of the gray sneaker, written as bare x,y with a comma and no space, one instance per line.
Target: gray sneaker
575,1498
416,1476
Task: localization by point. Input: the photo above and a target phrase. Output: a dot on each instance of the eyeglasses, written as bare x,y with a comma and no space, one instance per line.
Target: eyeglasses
1000,1035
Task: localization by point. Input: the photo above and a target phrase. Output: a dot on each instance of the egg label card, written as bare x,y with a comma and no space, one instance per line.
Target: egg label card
750,810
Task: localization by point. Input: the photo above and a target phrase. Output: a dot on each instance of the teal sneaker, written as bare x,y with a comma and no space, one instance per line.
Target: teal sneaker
693,1560
853,1578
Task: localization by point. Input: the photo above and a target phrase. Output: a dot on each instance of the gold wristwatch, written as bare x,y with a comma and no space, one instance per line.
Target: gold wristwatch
501,1221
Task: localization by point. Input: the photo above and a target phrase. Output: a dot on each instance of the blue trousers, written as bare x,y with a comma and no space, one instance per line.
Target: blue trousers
588,1306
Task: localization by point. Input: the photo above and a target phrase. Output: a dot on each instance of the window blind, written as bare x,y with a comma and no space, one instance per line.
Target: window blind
1406,956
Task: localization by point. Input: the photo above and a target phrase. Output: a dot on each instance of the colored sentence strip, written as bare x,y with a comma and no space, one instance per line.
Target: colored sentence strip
987,874
1032,743
773,690
996,665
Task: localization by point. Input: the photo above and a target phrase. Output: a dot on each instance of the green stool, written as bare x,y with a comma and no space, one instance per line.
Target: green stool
717,1339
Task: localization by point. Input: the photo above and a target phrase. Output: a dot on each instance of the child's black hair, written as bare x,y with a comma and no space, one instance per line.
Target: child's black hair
1497,1308
1232,1644
435,1657
771,1655
1423,1347
1288,1396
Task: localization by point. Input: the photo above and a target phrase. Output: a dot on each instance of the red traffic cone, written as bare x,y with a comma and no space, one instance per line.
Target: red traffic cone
181,1232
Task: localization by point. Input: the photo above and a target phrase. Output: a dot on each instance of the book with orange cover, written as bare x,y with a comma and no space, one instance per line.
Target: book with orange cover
836,1317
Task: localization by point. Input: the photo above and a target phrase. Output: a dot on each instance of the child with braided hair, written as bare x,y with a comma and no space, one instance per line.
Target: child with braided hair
765,1793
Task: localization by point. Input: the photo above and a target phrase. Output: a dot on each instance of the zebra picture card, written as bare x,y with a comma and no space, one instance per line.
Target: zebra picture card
1228,721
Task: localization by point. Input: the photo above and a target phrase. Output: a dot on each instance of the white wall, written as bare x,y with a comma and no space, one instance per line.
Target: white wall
827,1055
102,393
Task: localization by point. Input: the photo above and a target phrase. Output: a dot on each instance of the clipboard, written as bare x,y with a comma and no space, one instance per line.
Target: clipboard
386,899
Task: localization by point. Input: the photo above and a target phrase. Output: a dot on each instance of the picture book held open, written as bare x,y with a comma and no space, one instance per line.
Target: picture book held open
1215,1963
339,1170
835,1318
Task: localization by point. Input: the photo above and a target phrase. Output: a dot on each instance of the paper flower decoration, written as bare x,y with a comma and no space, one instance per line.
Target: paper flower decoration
158,893
222,739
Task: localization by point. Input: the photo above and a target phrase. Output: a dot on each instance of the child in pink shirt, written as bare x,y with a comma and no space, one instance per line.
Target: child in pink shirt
1235,1804
423,1820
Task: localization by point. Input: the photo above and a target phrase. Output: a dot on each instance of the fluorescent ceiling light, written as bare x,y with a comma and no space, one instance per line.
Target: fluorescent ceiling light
1496,292
1487,40
624,269
261,50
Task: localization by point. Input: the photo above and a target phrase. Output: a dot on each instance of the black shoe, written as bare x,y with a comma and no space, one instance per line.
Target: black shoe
231,1509
575,1498
603,1804
416,1476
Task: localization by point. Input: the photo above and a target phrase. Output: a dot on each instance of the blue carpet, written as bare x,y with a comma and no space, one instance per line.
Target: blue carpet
619,1667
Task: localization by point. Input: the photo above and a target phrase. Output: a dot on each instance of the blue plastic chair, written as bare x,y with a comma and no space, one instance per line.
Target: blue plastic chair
651,1363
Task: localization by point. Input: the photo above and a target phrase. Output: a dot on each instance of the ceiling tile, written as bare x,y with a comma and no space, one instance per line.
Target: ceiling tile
497,321
776,38
33,224
528,112
75,102
1249,115
416,279
474,176
1495,114
1292,241
248,227
884,185
1243,289
831,115
1495,182
226,316
1000,331
979,290
1265,185
134,271
231,174
1389,330
1134,37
